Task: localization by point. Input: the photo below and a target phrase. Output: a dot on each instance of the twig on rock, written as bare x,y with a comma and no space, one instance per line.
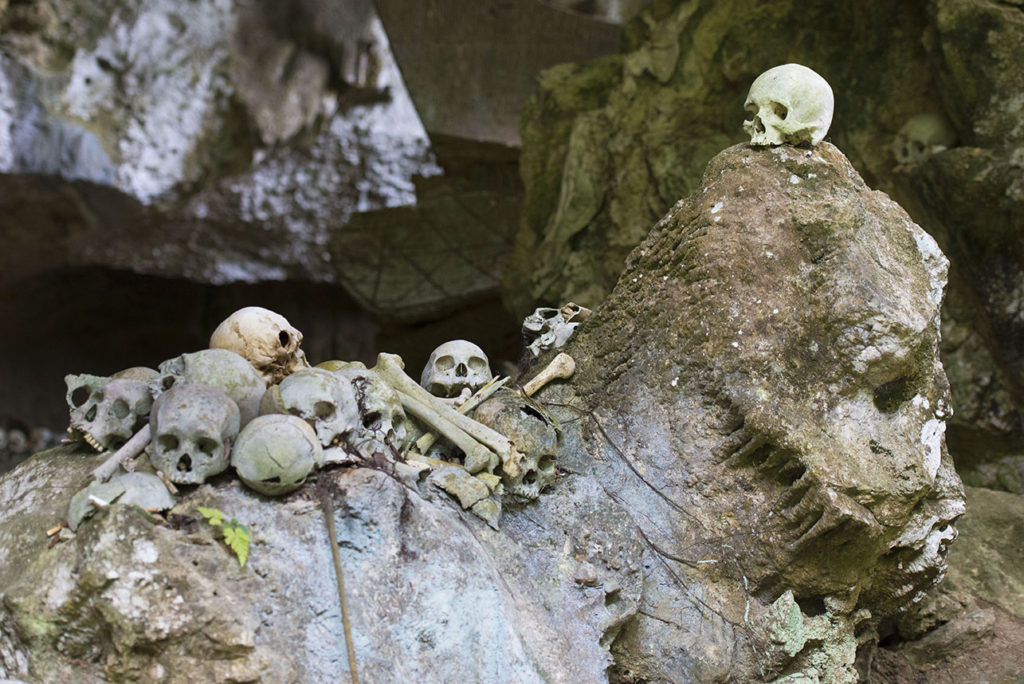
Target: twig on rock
327,504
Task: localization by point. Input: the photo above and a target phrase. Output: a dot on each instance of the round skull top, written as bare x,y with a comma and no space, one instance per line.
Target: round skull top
791,104
455,366
265,338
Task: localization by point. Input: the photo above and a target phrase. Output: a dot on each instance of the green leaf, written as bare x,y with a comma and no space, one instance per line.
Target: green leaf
236,536
215,516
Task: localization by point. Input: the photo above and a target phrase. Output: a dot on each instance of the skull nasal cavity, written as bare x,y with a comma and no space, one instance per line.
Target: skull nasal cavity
91,415
461,370
184,464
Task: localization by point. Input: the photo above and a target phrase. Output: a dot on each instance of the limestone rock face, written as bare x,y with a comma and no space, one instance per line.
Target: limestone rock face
435,594
221,140
751,476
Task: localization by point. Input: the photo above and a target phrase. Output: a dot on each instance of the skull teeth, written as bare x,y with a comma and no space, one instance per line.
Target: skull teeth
89,439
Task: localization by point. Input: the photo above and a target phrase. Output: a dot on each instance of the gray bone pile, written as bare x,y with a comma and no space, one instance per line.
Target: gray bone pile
252,403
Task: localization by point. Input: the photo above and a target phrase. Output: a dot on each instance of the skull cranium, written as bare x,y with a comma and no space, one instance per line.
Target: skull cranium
265,338
791,104
105,412
192,427
456,366
218,368
275,453
324,400
383,423
533,435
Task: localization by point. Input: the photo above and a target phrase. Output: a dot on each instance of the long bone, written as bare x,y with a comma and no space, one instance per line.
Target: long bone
424,443
129,450
390,367
562,366
478,456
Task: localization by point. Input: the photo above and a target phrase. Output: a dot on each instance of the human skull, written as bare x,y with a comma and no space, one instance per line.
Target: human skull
533,435
218,368
922,136
323,399
266,339
455,366
383,424
192,427
547,328
791,104
105,412
274,454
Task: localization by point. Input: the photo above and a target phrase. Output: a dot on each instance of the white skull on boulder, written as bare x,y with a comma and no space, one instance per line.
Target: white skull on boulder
324,400
454,367
192,426
790,104
265,338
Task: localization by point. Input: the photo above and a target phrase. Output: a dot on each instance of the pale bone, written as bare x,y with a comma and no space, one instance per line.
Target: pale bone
562,366
790,104
574,313
478,457
390,367
264,338
455,366
424,443
132,448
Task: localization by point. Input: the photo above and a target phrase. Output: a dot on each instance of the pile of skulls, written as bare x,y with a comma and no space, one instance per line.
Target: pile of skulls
252,402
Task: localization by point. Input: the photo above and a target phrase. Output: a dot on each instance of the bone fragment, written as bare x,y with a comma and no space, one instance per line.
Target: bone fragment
97,501
132,448
167,482
424,443
390,368
478,457
562,366
54,530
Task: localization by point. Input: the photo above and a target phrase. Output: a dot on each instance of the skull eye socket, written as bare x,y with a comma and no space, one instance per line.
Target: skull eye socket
206,445
120,408
444,363
284,338
476,364
167,382
780,110
79,396
550,314
167,442
323,410
371,419
546,463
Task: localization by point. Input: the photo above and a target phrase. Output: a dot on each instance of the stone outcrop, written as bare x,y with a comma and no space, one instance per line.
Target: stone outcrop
609,145
752,477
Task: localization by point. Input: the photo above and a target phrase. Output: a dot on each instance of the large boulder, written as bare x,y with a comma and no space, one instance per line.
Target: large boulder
762,392
752,476
610,144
